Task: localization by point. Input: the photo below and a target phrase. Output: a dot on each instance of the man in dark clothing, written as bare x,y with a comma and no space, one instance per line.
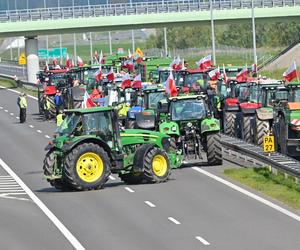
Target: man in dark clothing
58,102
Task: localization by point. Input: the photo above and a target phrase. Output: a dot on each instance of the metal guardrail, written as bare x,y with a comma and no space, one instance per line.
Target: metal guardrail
136,9
276,160
14,70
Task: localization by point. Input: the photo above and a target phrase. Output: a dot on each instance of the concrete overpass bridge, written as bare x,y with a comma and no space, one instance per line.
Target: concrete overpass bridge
31,23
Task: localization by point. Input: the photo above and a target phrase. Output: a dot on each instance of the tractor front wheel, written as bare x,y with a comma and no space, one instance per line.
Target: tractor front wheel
262,130
214,149
87,167
229,123
157,167
247,129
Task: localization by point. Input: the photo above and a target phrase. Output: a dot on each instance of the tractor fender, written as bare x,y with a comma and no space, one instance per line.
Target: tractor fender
169,128
68,147
138,159
209,125
264,114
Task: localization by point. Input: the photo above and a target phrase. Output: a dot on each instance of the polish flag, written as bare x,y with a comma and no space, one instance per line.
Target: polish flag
242,75
87,101
79,61
110,75
126,82
137,82
214,74
170,86
254,68
98,74
205,62
129,54
290,73
224,75
72,64
128,64
101,58
68,62
176,64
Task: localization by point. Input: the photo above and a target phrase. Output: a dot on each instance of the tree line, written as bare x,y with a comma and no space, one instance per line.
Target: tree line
279,34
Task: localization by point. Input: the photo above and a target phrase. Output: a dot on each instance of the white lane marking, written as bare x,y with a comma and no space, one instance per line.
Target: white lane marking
150,204
8,184
129,190
69,236
39,131
203,241
11,190
174,220
31,126
18,92
6,110
112,178
17,117
11,114
1,107
6,196
47,136
249,194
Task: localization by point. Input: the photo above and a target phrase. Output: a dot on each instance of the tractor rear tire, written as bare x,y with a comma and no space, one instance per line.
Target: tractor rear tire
157,167
214,149
247,129
229,123
132,178
262,129
48,168
87,167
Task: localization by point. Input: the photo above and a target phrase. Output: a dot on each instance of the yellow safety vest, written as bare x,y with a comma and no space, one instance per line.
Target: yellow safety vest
123,110
59,119
23,102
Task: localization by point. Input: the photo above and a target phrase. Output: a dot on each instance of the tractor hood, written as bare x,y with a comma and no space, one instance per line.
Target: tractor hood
249,107
265,113
293,105
232,101
50,90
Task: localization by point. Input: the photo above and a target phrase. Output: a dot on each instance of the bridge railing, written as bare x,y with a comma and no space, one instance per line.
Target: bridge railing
136,9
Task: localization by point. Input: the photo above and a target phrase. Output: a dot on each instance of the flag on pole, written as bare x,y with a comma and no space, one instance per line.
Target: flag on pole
242,75
129,54
170,86
128,64
137,82
290,73
98,74
72,64
87,101
176,64
68,62
79,61
110,75
101,58
139,52
126,82
214,74
254,68
205,62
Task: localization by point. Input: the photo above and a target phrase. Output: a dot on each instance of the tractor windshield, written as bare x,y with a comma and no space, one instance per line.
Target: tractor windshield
242,91
255,94
294,95
68,125
188,109
154,98
99,124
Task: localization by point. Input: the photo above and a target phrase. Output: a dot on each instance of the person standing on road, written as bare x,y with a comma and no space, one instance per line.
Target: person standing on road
23,107
46,107
58,101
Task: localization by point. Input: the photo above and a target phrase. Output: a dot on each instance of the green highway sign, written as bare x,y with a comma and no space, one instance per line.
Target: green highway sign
52,53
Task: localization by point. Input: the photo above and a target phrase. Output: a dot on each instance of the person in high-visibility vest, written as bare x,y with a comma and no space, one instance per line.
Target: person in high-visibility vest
23,107
59,118
47,107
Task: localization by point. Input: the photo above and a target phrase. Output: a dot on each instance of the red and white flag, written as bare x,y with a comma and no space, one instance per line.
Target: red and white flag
137,82
87,101
290,73
176,64
101,58
72,64
128,64
110,75
224,75
129,54
205,63
68,62
214,74
98,74
79,61
242,75
254,68
170,86
126,82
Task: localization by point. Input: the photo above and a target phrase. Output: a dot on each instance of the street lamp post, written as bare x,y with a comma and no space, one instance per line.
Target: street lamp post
166,42
254,35
212,33
133,42
75,49
110,45
91,48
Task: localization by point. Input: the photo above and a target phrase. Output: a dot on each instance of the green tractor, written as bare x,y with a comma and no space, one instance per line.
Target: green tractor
286,125
188,120
89,147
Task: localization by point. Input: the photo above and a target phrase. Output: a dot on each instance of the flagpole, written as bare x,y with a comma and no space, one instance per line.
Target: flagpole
212,33
254,35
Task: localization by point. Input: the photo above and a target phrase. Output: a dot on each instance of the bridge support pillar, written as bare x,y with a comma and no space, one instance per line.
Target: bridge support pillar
31,50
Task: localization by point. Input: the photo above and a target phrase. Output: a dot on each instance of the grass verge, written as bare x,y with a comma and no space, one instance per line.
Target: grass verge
12,85
277,186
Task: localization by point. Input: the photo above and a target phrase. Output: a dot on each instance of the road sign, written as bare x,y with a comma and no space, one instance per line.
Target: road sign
269,144
22,59
52,53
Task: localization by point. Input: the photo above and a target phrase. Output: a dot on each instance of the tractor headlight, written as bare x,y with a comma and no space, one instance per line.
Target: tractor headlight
174,129
189,124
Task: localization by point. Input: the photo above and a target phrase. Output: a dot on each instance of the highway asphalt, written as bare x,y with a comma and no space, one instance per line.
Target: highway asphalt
190,211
